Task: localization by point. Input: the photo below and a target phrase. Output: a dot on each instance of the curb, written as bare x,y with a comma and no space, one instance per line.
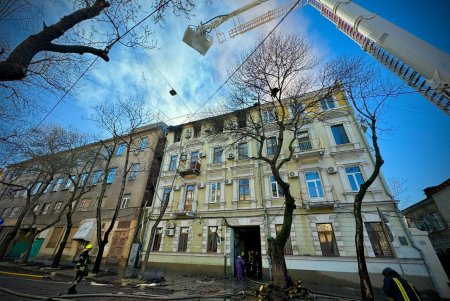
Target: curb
24,275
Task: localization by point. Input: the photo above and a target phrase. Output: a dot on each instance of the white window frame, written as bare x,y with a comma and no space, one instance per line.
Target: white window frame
144,143
218,159
276,193
82,203
111,175
125,201
174,166
273,147
315,181
57,207
327,101
69,182
45,208
213,187
244,156
47,189
121,149
96,177
353,175
83,178
35,188
57,184
133,171
268,116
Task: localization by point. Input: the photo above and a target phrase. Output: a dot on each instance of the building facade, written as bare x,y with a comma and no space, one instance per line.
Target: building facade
222,203
144,162
432,214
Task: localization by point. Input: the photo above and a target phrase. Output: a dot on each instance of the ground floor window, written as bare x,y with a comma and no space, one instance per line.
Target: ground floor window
157,239
212,239
182,242
56,234
378,239
327,240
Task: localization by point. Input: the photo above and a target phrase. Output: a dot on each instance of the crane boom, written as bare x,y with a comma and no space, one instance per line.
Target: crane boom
198,38
267,17
422,66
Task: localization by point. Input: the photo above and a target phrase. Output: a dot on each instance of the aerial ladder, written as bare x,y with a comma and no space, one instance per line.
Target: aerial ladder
421,65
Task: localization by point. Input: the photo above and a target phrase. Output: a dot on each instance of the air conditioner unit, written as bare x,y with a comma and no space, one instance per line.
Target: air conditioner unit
71,189
230,156
331,170
177,187
170,232
293,174
136,152
202,155
228,181
170,226
201,185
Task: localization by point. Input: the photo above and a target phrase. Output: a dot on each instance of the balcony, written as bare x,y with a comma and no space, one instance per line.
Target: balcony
186,211
307,148
191,168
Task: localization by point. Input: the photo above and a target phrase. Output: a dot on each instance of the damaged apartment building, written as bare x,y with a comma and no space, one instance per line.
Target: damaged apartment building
144,155
223,203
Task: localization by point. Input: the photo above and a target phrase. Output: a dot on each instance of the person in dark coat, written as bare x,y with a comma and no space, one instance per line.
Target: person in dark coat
398,289
82,268
239,268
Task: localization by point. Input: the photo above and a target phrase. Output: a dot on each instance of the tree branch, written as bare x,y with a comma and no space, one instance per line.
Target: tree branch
77,49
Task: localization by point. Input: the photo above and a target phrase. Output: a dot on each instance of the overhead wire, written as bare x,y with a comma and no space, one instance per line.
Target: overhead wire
246,59
146,83
167,81
8,157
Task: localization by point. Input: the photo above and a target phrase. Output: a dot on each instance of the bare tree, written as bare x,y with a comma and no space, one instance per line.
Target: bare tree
32,177
50,58
120,120
398,187
271,97
83,162
111,22
369,93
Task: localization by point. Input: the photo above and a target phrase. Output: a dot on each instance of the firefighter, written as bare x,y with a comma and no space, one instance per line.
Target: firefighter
82,268
398,289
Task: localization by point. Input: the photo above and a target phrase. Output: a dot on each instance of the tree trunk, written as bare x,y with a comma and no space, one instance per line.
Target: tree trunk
152,235
24,258
62,245
279,270
98,258
365,283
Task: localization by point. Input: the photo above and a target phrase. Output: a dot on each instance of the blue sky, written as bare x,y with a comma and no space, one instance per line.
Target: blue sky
416,149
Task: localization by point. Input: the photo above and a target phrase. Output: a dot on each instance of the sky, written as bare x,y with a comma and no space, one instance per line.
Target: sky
416,149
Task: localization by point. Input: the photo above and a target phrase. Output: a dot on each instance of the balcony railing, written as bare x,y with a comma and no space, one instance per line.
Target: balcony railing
191,168
309,148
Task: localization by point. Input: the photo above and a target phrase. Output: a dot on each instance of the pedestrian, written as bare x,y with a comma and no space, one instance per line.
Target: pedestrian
82,268
398,289
239,268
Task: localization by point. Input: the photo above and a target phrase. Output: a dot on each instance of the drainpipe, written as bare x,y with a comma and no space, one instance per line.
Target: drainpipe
388,191
266,216
225,251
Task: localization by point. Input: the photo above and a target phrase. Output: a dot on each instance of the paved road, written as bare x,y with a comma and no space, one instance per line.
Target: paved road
52,288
